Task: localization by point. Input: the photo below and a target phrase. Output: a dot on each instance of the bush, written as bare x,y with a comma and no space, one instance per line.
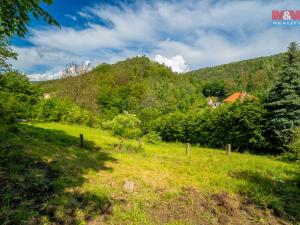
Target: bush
171,127
17,96
124,125
240,123
152,137
62,110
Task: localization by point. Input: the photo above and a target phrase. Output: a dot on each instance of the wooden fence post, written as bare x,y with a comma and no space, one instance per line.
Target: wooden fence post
228,149
140,142
81,140
188,149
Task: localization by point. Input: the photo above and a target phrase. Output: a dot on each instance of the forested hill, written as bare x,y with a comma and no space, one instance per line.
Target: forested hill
254,75
136,85
141,86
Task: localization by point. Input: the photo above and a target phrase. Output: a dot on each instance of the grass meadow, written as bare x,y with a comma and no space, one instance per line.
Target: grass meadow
46,178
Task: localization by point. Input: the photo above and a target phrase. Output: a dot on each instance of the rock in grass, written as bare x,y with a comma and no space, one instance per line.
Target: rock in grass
129,186
108,208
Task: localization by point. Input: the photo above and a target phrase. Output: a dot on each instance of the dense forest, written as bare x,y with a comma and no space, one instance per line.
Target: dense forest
134,85
254,75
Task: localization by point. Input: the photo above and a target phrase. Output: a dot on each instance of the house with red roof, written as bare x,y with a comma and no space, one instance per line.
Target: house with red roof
238,96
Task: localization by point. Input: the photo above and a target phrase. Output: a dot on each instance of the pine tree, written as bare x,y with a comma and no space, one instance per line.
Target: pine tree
283,102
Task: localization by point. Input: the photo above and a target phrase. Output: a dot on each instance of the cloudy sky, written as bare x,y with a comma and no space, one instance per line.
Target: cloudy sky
183,34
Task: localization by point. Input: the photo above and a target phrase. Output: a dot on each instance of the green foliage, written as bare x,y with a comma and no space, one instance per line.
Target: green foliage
293,152
17,95
214,88
137,85
254,75
14,19
62,110
15,16
152,137
172,126
283,102
240,124
124,125
174,105
53,109
5,54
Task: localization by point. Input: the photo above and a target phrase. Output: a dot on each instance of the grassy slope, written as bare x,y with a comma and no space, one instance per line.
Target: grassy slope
45,171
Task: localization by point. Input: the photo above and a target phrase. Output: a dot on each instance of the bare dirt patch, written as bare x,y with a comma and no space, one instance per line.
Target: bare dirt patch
193,207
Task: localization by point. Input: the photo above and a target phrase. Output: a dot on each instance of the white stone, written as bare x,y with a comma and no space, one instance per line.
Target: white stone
128,186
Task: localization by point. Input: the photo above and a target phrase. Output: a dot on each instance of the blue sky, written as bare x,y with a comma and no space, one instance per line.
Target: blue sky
185,35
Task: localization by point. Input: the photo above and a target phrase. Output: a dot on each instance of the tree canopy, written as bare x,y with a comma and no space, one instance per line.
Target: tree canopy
16,15
283,101
5,54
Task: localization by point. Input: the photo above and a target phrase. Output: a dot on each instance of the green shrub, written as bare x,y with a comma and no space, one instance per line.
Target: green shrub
171,126
62,110
240,123
124,125
17,96
152,137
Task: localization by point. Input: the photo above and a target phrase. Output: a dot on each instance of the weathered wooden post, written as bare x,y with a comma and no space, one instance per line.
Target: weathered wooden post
228,149
140,142
81,140
188,149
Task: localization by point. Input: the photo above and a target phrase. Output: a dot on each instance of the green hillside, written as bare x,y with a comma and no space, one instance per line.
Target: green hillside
254,75
136,85
140,83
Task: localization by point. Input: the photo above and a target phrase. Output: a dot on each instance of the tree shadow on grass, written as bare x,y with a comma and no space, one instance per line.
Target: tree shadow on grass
283,196
40,171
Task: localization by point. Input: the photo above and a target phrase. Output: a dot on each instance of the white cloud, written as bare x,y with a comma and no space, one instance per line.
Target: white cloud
74,18
176,63
203,33
45,76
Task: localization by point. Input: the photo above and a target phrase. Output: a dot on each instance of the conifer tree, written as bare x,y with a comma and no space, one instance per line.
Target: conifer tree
283,102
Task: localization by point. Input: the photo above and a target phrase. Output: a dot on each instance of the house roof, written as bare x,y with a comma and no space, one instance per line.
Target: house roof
236,96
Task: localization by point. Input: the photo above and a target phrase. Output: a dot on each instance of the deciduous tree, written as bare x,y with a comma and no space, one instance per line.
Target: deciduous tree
15,15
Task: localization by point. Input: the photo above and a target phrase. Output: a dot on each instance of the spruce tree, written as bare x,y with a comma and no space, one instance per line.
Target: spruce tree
283,102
